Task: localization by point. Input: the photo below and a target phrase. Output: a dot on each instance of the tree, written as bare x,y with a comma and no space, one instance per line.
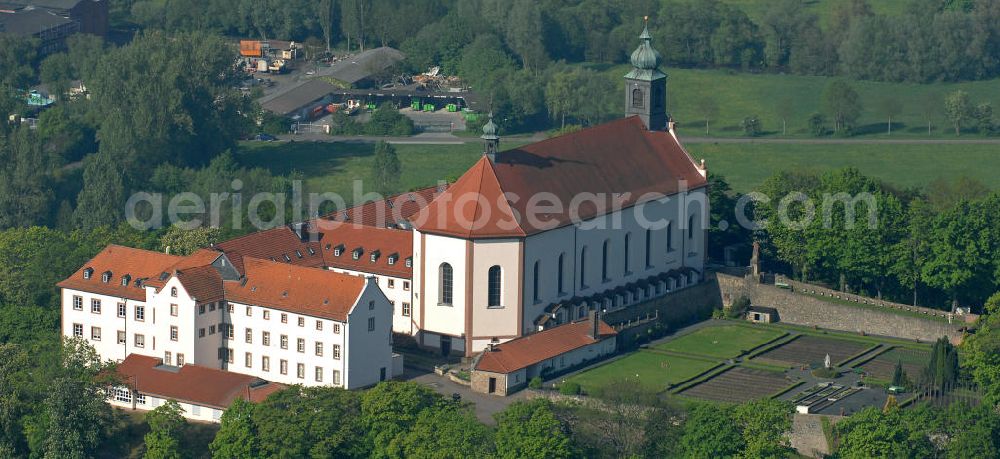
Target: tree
237,436
958,109
983,115
874,433
785,109
751,126
386,168
708,109
26,193
898,375
942,369
842,102
325,13
389,410
929,106
662,432
531,430
102,200
166,424
447,431
817,125
982,351
710,432
763,424
310,422
890,107
186,241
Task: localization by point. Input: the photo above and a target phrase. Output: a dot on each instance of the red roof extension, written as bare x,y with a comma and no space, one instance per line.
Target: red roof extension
121,261
620,160
309,291
192,383
528,350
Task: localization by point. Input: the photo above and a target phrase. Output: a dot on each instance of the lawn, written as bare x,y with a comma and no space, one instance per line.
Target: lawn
722,342
654,370
333,167
738,95
746,166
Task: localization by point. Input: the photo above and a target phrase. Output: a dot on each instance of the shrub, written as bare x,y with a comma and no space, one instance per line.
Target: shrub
751,126
817,125
535,383
569,388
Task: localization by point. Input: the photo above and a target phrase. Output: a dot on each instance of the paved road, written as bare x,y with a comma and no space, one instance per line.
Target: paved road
484,405
838,141
446,138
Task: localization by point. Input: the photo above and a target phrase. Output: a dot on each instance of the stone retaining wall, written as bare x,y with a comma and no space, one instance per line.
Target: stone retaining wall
801,309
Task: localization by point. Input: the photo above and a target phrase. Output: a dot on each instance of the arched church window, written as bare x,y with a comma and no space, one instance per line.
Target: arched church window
637,98
445,291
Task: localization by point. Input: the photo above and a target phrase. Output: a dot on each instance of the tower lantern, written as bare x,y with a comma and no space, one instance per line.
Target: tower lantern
646,85
491,141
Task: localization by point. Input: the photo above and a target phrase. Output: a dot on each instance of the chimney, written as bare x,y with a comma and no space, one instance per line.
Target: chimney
166,250
595,328
301,230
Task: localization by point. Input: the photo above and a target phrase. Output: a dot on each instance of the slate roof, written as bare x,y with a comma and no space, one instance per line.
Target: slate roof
192,383
297,97
528,350
28,22
621,161
365,64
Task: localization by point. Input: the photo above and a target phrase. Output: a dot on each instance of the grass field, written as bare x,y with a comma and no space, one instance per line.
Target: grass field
723,342
334,166
746,166
739,95
654,370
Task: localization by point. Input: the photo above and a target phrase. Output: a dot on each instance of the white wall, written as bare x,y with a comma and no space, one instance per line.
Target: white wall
369,352
191,411
396,291
441,319
159,309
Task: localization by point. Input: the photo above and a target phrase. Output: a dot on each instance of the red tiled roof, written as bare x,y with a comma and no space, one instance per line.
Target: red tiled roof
349,236
120,260
203,283
528,350
281,244
192,383
303,290
389,211
620,160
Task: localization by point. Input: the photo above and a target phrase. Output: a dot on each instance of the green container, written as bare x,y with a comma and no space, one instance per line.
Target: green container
415,105
428,107
370,106
452,108
469,116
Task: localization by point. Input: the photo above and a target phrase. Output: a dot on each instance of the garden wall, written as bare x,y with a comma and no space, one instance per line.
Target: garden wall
685,306
801,309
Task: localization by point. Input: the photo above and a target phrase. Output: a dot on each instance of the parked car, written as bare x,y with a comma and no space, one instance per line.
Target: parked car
265,138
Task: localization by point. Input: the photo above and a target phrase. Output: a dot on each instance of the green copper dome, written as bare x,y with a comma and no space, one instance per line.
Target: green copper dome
489,130
645,57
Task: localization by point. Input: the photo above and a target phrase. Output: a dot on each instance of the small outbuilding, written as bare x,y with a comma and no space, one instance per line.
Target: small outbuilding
503,369
762,314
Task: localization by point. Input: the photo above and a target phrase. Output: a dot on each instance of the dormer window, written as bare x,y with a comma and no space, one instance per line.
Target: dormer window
125,280
173,292
409,262
164,275
287,258
338,250
298,253
392,259
374,256
356,253
311,251
88,273
106,277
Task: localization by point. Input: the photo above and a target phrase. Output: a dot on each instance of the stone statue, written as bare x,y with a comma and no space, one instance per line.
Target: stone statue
755,262
827,363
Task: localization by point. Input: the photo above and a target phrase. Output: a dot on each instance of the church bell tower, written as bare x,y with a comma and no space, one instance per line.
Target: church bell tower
646,85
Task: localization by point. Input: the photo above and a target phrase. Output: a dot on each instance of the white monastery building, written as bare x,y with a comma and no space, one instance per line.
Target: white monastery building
526,240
